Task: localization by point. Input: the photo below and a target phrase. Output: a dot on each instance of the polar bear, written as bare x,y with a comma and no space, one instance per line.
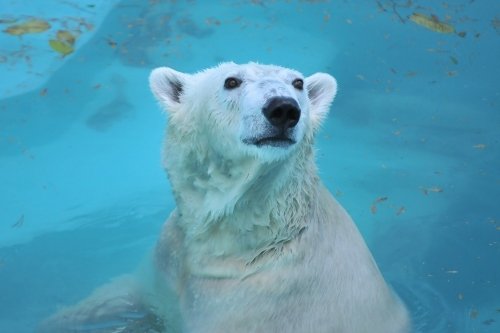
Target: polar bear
256,242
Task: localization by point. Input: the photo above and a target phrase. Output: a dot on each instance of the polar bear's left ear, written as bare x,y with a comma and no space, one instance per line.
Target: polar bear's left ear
321,89
167,85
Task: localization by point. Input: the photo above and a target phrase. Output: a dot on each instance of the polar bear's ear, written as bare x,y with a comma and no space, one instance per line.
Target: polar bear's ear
321,89
167,85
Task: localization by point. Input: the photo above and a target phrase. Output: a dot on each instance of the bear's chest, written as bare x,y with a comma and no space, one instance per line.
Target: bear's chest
262,302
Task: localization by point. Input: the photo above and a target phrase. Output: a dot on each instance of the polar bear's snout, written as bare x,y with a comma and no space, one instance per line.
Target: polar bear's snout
278,121
282,112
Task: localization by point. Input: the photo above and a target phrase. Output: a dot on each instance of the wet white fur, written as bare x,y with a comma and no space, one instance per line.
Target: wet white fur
256,243
204,145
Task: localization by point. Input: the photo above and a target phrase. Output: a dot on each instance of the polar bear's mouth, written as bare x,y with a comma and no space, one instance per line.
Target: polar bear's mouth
272,141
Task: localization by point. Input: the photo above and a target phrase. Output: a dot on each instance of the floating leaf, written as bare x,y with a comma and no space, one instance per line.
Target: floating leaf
488,321
61,47
373,207
432,23
19,223
495,23
380,199
112,43
66,37
28,27
433,189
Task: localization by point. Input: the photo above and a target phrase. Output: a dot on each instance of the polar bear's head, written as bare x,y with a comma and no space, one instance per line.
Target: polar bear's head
240,110
235,132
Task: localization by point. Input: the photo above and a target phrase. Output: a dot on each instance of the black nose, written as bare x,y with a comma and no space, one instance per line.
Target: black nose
282,112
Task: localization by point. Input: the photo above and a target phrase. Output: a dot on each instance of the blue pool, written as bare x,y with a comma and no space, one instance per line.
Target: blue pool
411,147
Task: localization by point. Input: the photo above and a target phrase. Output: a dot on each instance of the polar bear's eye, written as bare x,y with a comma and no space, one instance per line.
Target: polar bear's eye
232,82
298,84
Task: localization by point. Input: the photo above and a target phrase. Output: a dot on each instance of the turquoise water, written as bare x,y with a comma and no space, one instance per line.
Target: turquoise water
410,148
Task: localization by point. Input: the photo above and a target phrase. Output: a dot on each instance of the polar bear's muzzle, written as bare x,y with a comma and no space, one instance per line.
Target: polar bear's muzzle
281,114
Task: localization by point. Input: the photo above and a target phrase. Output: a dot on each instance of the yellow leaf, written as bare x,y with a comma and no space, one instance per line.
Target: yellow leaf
432,23
66,37
61,47
28,27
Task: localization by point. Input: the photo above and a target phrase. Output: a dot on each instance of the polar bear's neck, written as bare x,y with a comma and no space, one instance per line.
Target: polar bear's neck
241,206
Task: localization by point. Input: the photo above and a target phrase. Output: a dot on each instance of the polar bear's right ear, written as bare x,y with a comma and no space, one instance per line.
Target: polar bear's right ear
167,85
